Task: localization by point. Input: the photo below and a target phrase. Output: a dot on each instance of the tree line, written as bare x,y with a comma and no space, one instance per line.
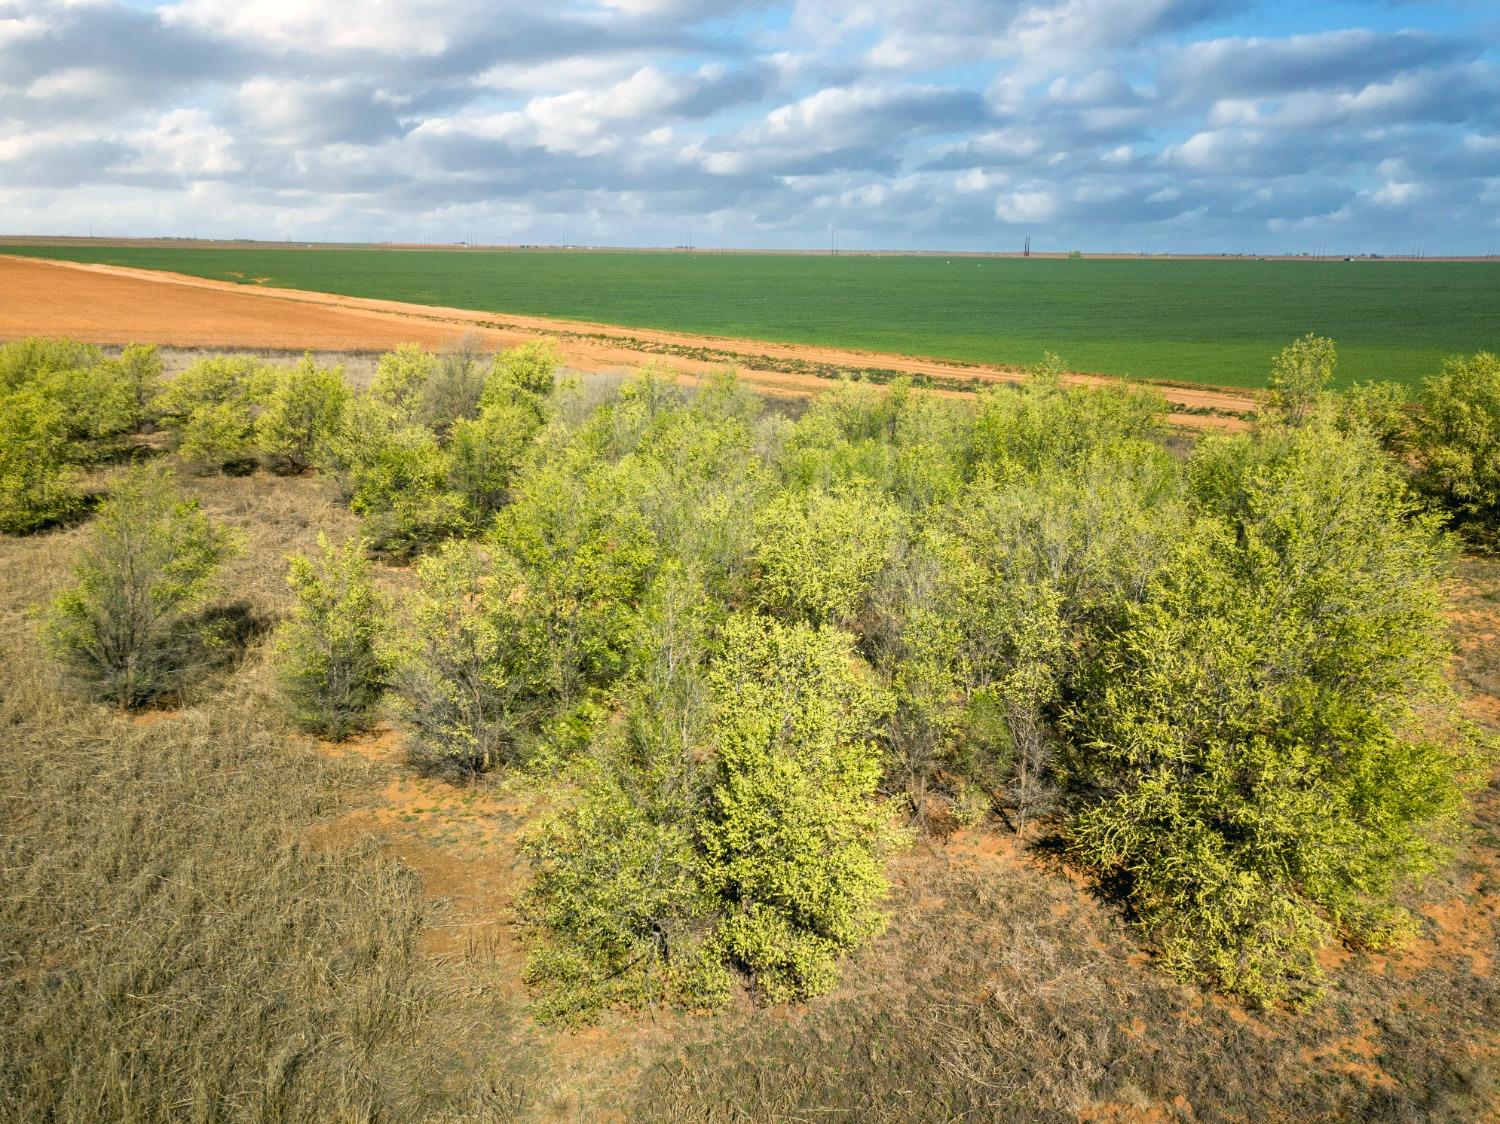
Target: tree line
763,652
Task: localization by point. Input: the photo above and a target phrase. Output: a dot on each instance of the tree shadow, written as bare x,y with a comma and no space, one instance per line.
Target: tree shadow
226,632
1114,888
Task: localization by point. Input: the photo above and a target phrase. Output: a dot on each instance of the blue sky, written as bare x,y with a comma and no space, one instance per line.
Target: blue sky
1121,125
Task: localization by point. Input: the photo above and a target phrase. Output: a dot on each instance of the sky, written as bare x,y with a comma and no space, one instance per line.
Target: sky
1259,126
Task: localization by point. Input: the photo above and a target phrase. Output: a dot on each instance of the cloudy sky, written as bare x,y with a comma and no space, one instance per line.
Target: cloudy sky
1216,125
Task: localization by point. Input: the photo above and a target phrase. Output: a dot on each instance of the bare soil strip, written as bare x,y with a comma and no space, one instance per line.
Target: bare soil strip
114,304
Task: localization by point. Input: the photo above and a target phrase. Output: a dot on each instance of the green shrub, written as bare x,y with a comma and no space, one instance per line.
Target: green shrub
98,408
302,410
210,410
96,397
25,360
765,852
1380,410
467,678
333,667
586,555
217,437
140,366
364,426
484,454
400,377
1042,423
530,369
1260,754
1300,374
794,835
36,487
817,555
128,628
841,440
399,489
485,451
619,909
1458,443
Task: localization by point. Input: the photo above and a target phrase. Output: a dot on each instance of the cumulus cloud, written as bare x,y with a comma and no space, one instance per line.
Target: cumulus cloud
902,123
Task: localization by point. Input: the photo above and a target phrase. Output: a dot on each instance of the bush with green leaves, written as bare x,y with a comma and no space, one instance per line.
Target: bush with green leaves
619,909
1301,373
530,369
586,555
25,360
818,555
985,609
364,425
1259,748
729,820
794,836
485,451
399,489
36,484
98,408
140,369
333,661
301,410
1457,442
130,626
1382,410
98,399
210,410
484,455
400,378
470,681
1042,422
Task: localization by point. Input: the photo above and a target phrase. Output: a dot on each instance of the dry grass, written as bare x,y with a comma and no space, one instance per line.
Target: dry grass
173,946
206,917
1003,992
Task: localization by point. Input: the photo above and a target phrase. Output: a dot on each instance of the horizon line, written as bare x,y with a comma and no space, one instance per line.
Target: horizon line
1317,254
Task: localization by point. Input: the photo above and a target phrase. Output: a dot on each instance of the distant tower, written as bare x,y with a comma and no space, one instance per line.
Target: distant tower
1026,253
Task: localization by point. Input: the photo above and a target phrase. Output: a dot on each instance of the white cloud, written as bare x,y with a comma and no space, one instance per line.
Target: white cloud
1025,206
187,142
426,27
902,122
1396,194
74,82
977,179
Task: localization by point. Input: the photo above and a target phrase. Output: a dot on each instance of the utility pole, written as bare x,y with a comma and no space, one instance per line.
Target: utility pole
1026,253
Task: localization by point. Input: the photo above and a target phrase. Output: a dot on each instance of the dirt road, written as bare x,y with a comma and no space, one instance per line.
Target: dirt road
114,304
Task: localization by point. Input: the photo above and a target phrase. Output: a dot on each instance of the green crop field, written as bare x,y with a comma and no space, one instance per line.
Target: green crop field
1198,321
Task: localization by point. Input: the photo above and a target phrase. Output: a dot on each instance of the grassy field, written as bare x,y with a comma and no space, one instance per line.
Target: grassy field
1216,322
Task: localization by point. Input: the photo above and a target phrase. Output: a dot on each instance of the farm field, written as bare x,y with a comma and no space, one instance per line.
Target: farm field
1201,321
107,304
